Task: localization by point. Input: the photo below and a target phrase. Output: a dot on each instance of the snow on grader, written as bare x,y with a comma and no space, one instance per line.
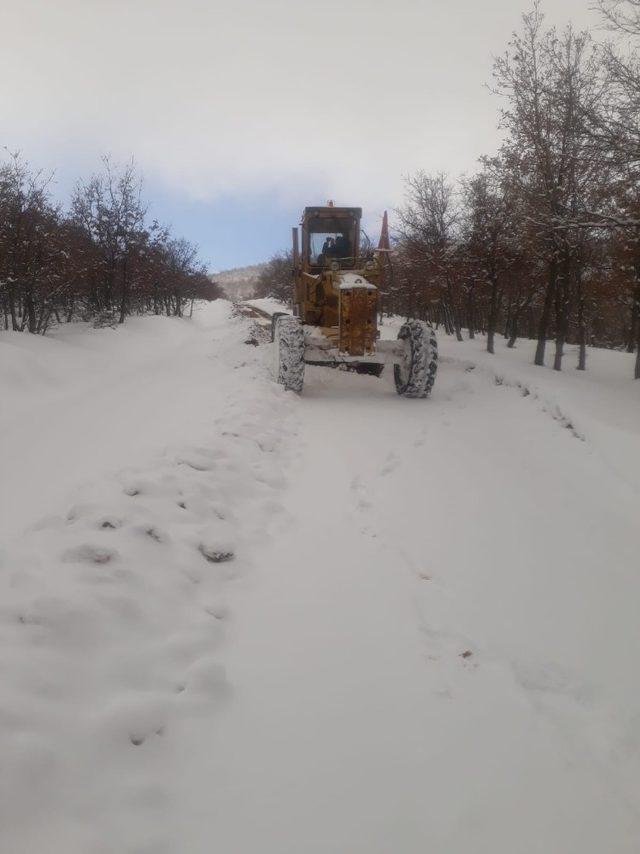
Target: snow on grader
336,290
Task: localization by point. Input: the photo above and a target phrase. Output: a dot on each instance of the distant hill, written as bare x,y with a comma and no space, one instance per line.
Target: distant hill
239,283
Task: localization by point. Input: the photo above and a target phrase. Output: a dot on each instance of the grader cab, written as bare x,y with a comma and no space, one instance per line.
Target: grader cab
336,292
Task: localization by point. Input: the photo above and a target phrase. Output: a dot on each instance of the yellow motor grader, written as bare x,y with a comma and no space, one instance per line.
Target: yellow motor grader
336,290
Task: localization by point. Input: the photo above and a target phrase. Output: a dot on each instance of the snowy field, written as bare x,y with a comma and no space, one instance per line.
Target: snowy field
234,620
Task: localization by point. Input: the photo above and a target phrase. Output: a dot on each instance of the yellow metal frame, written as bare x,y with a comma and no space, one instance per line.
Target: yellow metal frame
347,314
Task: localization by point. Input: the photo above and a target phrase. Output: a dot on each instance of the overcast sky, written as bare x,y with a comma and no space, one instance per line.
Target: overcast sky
240,113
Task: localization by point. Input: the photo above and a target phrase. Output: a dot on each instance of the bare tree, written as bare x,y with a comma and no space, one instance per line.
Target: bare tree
490,240
276,277
618,131
552,85
102,260
429,225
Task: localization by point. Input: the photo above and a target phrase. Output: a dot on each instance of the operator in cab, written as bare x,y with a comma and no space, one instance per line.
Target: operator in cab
343,246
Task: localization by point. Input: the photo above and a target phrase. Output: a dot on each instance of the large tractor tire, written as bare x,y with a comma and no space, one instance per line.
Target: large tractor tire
288,345
416,372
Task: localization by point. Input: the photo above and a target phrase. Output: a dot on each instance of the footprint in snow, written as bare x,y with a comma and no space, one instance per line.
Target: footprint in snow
447,646
195,462
123,608
206,678
79,511
216,553
152,533
136,717
109,523
187,646
216,541
50,522
549,679
65,623
217,611
357,487
419,442
390,464
89,553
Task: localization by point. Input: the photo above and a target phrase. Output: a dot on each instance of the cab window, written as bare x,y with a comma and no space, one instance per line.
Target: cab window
331,240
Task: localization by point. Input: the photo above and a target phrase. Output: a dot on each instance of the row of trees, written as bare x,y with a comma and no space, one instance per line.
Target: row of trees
98,260
544,241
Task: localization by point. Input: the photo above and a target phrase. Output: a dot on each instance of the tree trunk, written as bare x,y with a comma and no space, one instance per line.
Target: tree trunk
634,330
582,327
12,312
125,292
446,319
123,308
562,308
633,325
45,323
636,373
30,309
455,316
582,351
471,319
557,359
493,315
543,325
507,323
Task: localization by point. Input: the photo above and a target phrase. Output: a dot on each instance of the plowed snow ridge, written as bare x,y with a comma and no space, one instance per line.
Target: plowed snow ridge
236,620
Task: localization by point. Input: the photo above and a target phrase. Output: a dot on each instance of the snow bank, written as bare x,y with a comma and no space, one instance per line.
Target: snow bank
600,405
114,609
83,402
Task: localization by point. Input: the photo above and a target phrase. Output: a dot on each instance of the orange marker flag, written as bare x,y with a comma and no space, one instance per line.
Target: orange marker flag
383,243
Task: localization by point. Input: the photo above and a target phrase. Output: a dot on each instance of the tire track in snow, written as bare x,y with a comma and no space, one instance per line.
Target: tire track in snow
572,715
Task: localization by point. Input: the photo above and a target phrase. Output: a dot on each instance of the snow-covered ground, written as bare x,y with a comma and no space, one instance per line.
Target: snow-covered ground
236,620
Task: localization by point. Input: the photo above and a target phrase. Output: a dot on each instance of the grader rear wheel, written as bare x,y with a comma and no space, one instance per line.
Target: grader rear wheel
288,345
415,373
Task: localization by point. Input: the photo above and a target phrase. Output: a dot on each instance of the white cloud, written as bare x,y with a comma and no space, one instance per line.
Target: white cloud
301,99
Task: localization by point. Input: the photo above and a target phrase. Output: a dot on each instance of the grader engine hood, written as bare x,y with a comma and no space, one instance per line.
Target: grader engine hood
358,305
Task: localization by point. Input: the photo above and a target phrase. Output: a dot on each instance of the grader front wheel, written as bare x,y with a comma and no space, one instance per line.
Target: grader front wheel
288,345
415,373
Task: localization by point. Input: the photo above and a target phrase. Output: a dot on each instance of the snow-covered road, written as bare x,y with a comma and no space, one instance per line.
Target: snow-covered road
427,638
